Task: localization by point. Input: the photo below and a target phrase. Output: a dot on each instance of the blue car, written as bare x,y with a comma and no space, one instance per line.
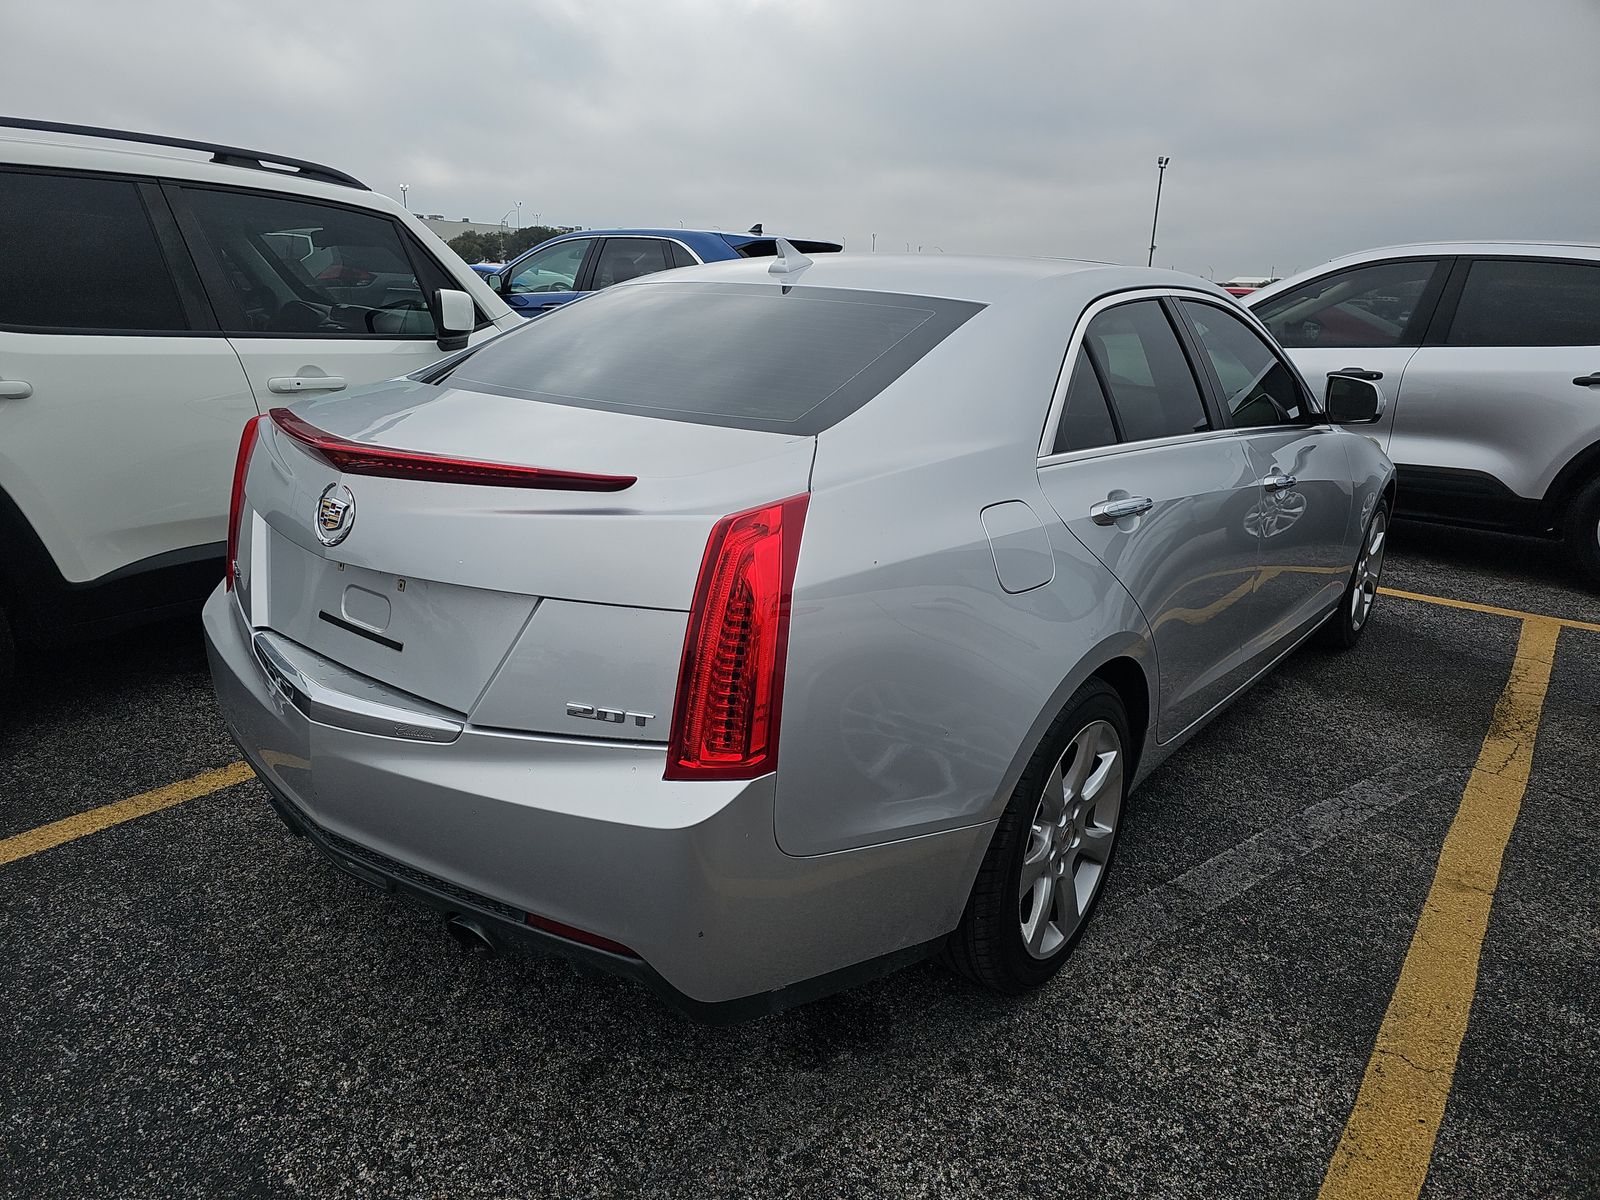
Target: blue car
574,264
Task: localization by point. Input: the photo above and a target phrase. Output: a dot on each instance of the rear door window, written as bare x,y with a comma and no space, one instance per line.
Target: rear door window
313,270
1528,303
622,259
1376,305
1085,414
1152,386
79,254
786,359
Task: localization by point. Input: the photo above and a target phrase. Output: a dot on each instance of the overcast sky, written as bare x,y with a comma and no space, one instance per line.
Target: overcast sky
1297,131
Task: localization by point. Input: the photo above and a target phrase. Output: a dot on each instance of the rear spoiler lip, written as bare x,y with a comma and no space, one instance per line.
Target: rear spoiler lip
358,458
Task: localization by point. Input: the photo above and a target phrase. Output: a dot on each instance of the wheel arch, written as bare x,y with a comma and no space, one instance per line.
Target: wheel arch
1578,471
1126,664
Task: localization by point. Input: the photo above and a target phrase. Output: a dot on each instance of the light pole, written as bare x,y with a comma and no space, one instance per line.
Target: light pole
404,187
1161,173
519,214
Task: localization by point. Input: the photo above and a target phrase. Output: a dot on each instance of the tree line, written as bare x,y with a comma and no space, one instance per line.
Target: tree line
503,245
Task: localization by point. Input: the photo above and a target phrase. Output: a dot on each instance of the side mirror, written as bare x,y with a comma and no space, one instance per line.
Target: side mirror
457,315
494,280
1352,401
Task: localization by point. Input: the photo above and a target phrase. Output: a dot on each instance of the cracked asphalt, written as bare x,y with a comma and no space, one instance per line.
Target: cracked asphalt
193,1003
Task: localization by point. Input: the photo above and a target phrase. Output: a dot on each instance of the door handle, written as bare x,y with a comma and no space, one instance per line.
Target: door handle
1581,380
1358,373
15,389
289,384
1109,512
1278,481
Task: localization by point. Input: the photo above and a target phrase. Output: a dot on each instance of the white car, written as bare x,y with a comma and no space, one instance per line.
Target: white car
158,293
1490,355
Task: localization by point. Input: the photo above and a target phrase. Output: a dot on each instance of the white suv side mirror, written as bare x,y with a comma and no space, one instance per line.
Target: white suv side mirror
457,316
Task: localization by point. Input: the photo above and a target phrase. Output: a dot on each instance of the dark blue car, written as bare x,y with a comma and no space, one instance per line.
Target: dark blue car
568,266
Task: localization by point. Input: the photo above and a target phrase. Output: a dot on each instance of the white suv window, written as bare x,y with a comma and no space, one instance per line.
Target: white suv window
79,254
1364,306
1507,302
297,267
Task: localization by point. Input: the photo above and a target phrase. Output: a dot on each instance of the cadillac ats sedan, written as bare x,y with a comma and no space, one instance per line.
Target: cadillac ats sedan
755,628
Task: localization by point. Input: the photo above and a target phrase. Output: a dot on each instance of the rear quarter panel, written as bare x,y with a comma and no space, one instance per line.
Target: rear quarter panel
917,687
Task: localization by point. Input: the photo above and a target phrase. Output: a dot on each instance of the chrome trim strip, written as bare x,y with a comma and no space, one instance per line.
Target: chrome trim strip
326,705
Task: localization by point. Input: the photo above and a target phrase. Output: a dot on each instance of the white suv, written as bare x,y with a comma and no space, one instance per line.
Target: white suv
1490,355
155,294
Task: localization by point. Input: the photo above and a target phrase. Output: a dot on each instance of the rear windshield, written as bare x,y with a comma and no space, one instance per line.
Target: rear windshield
786,359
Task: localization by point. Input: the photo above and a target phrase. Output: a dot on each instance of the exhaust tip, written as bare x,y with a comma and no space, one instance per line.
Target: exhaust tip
469,934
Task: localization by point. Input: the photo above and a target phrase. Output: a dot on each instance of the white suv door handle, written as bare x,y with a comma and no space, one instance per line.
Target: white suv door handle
285,384
1278,481
1109,512
15,389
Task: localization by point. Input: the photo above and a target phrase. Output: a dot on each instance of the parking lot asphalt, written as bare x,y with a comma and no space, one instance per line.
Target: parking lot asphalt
193,1003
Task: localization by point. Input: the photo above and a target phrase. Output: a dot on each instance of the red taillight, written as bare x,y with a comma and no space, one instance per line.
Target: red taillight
357,458
730,687
241,468
573,934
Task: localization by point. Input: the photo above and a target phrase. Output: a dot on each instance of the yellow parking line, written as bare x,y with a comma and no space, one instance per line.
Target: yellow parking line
1388,1140
1448,602
81,824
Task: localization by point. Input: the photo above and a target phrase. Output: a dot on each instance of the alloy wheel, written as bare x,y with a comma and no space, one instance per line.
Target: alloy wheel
1070,839
1365,589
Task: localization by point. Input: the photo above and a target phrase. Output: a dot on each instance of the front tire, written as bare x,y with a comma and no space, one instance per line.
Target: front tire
1343,628
1583,532
1046,867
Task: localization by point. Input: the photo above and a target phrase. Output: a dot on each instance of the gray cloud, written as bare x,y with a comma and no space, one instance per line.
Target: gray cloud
1296,132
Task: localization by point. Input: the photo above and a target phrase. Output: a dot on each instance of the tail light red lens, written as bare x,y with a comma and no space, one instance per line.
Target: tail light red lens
241,468
358,458
582,936
730,687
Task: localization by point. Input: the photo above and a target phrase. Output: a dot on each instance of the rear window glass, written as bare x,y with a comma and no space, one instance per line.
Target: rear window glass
786,359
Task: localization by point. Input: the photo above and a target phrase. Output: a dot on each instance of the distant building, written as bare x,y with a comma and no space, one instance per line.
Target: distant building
453,229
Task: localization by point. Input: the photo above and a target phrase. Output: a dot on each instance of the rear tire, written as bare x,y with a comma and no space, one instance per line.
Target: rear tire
1583,532
1060,827
1344,626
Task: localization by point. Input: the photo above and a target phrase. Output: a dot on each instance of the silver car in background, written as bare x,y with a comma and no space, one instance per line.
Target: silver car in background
1490,352
971,545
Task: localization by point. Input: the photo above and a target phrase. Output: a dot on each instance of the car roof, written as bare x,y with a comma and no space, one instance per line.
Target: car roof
1541,249
108,154
982,279
1527,249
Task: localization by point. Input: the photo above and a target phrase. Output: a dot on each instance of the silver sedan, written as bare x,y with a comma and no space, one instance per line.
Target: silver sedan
755,628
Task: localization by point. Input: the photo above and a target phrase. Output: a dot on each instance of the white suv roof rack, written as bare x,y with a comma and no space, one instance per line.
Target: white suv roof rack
232,156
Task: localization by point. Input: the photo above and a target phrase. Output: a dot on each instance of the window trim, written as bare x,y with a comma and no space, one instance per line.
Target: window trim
1450,301
159,232
225,301
1058,397
1422,320
1310,401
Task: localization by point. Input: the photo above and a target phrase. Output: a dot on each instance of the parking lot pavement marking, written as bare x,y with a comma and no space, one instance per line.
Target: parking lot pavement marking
93,821
1450,602
1388,1140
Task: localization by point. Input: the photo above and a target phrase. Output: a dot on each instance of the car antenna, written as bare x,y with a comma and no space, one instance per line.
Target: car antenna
789,259
755,229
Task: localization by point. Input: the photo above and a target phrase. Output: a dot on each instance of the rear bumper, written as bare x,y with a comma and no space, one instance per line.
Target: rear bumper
587,833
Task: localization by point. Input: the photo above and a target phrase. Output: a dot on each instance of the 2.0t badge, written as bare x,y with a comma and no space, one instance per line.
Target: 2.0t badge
336,513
